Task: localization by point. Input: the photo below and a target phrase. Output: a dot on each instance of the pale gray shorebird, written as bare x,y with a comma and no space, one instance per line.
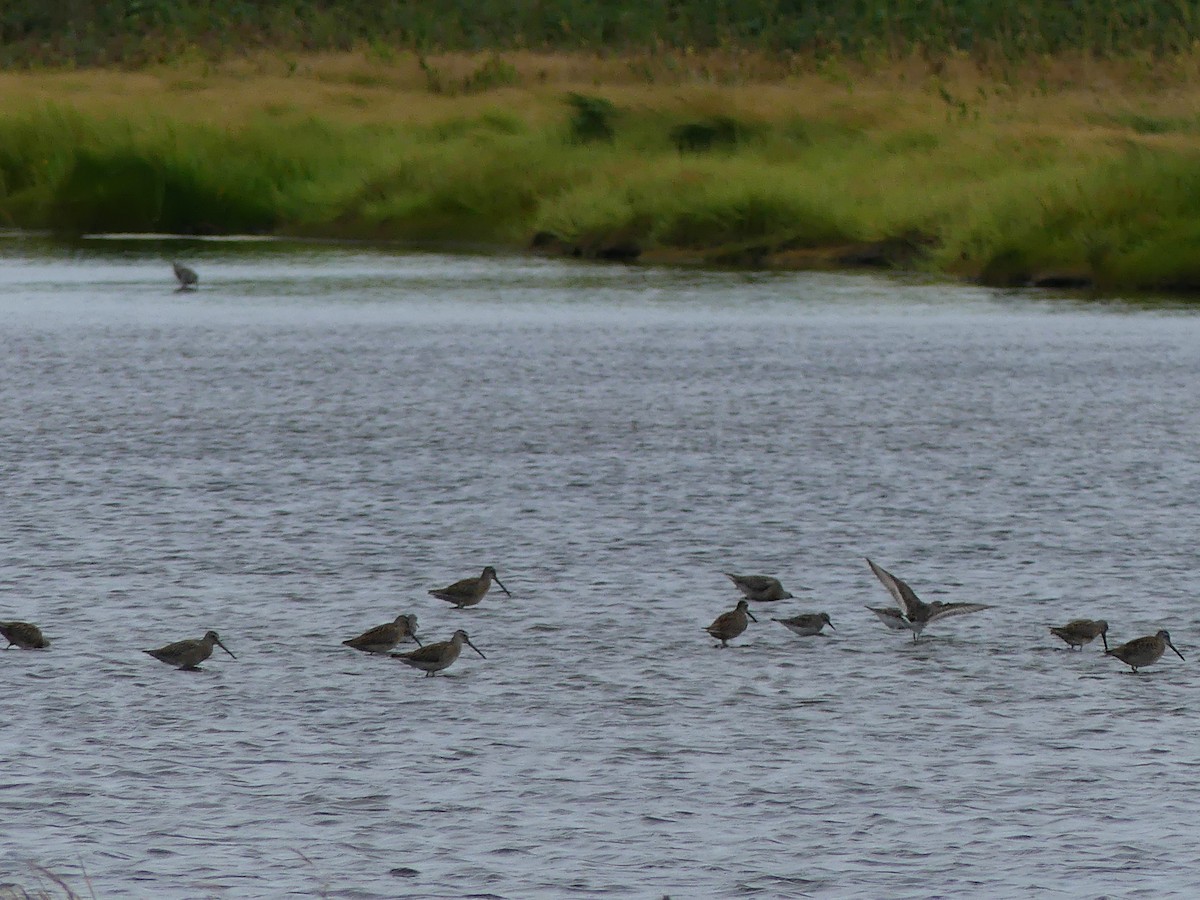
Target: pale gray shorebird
187,278
469,591
806,624
23,636
189,654
1144,651
914,614
1078,632
432,658
383,638
729,625
759,588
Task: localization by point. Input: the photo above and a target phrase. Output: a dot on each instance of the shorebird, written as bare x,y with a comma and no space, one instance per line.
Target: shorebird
469,591
913,614
759,588
189,654
383,638
806,624
1143,651
188,279
432,658
23,636
729,625
1078,632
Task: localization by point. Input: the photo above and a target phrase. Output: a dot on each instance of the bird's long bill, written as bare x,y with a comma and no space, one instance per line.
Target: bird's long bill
226,649
751,615
1177,653
417,639
830,624
476,649
501,586
1104,637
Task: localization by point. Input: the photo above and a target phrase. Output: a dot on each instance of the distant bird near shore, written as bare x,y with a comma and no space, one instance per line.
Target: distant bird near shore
729,625
1144,651
806,624
383,638
188,279
914,614
23,636
469,591
1078,632
433,658
189,654
759,588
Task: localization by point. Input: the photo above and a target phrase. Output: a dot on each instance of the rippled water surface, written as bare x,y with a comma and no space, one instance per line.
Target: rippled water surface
305,446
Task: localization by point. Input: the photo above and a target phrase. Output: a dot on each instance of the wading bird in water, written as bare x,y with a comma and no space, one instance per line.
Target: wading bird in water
469,591
23,636
1144,651
432,658
729,625
383,638
1082,631
806,624
189,654
188,279
914,614
759,588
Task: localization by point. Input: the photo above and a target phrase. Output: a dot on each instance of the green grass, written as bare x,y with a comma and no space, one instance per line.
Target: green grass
960,175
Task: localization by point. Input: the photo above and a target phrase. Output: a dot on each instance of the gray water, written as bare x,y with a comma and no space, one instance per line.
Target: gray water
309,443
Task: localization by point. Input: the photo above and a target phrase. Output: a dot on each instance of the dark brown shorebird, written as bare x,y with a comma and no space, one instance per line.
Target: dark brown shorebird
383,638
729,625
187,278
23,636
469,591
806,624
759,588
1144,651
1078,632
914,614
189,654
432,658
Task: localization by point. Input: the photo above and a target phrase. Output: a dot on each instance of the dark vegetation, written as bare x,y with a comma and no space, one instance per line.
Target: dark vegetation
137,32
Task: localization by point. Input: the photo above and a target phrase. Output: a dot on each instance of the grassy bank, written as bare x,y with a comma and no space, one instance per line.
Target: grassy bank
1064,171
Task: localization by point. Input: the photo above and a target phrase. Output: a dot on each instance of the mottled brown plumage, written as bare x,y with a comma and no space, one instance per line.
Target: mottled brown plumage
432,658
759,588
189,654
1144,651
469,591
383,638
23,635
1078,632
806,624
729,625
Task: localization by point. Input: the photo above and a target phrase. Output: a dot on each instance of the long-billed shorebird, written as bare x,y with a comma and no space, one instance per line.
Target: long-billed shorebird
729,625
759,588
1144,651
383,638
188,279
914,614
189,654
469,591
23,635
1078,632
432,658
806,624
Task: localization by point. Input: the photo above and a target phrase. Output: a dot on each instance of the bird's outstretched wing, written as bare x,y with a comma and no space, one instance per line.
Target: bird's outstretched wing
904,596
939,610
